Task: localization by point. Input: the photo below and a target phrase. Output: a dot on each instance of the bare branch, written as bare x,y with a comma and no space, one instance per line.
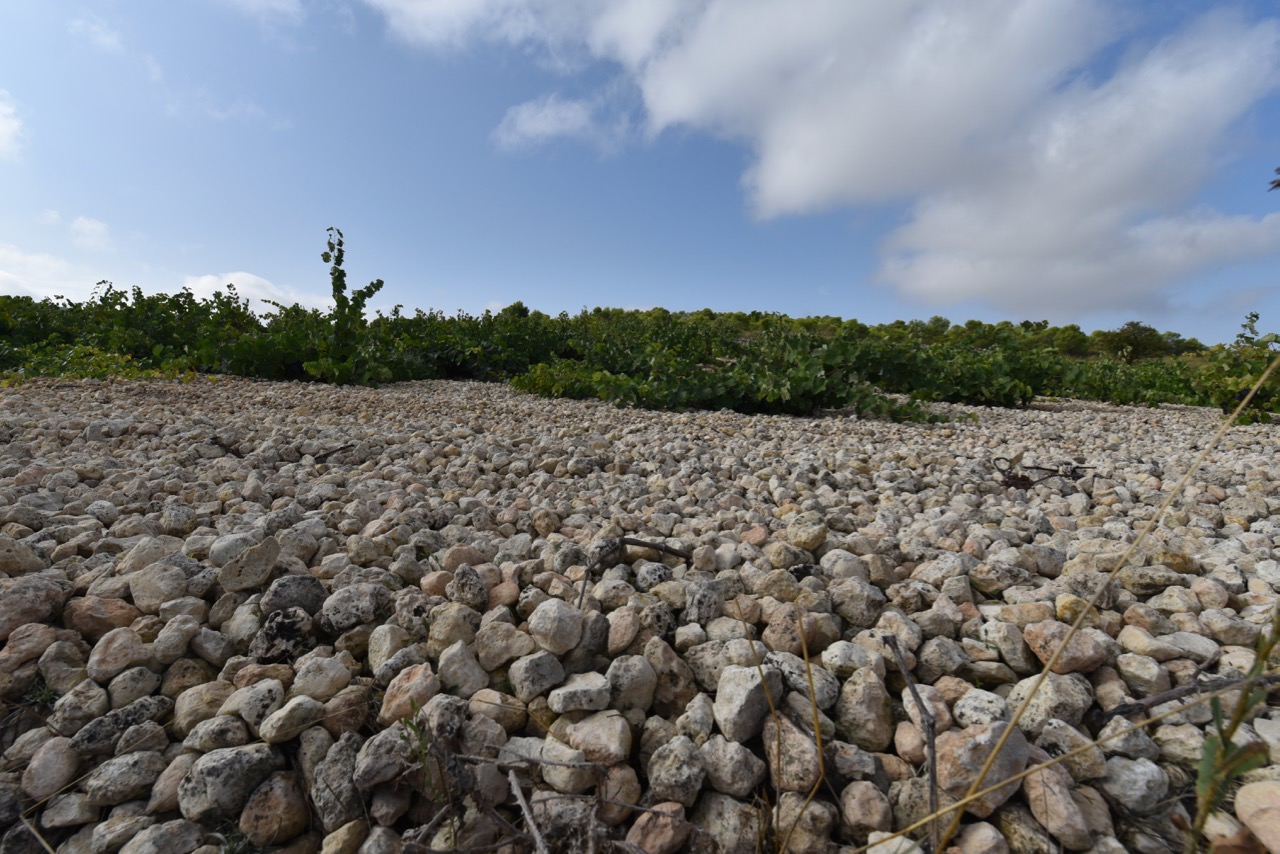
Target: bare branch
539,844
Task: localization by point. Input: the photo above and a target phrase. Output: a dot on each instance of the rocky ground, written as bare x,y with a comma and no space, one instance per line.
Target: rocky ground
253,616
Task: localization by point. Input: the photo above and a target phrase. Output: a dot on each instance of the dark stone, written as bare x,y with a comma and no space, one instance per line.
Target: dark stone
294,591
284,636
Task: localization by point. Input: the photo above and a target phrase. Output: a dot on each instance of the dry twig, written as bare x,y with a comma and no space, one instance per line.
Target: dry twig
539,844
930,726
614,547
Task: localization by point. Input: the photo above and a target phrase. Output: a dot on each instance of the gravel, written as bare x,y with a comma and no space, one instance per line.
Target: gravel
337,618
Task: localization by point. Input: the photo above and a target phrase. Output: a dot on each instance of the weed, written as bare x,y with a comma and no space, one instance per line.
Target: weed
1222,761
232,841
40,696
430,757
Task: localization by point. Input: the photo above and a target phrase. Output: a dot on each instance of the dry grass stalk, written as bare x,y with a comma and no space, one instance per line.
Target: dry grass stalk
1093,602
958,806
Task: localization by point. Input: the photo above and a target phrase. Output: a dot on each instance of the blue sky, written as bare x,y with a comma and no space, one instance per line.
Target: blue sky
1073,160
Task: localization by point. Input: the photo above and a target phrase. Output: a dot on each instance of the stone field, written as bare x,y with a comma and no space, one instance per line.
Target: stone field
254,616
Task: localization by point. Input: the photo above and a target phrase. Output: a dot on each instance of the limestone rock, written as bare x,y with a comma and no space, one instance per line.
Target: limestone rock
961,754
171,837
220,781
291,719
1065,698
51,768
676,771
864,808
1048,794
662,831
334,791
743,699
17,558
863,715
1138,785
1258,808
792,755
27,599
581,692
732,826
123,778
731,768
556,626
276,811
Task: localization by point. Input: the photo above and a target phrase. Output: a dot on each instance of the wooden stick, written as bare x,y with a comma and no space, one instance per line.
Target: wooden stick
616,546
930,725
1148,703
539,845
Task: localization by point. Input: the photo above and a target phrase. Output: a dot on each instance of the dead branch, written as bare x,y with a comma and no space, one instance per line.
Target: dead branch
521,763
613,547
539,844
1147,703
930,726
323,456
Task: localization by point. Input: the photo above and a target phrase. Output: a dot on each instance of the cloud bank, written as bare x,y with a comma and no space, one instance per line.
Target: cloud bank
256,289
39,275
1036,170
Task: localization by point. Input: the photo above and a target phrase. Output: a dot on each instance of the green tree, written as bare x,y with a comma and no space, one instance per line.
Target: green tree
1176,345
1132,342
1070,340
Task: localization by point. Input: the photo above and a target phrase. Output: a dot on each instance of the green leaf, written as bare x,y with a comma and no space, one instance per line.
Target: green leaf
1244,758
1206,772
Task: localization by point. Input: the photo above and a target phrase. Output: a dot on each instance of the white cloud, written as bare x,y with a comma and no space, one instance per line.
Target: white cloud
50,217
40,275
98,32
864,102
11,131
270,11
1036,168
92,234
1088,207
454,23
548,117
256,289
631,30
239,110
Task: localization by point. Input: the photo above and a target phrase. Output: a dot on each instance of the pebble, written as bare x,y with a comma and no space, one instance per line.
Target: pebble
427,543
